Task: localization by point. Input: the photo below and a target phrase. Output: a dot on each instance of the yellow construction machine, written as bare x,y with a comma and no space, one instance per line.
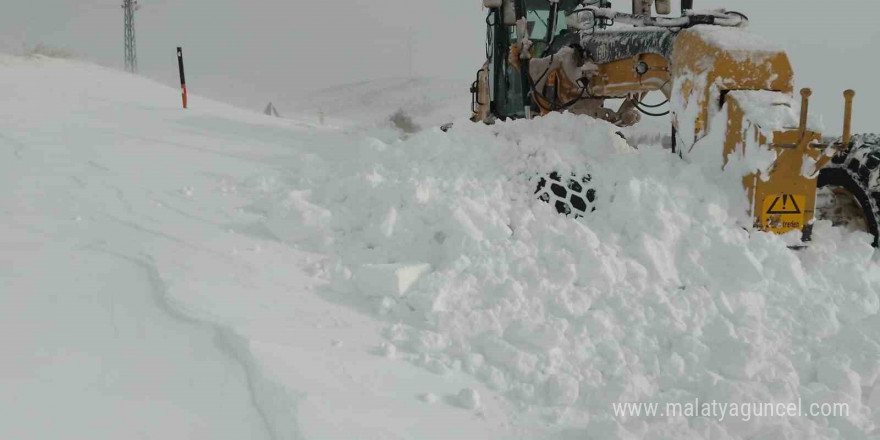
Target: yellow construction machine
724,87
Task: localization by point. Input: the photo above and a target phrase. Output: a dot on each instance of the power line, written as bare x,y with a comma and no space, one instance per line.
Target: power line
129,7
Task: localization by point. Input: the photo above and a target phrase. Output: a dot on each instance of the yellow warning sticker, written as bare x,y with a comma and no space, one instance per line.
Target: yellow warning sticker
783,213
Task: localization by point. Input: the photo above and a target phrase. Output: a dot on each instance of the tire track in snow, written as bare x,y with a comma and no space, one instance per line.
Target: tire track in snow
166,236
276,407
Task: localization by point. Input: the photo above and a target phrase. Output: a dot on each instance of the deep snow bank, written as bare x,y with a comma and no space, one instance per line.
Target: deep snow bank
141,300
90,347
659,296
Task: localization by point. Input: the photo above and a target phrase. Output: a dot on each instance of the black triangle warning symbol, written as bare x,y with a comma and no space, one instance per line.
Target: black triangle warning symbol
784,204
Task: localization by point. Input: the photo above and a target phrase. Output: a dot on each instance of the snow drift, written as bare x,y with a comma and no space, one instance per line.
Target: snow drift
367,282
659,296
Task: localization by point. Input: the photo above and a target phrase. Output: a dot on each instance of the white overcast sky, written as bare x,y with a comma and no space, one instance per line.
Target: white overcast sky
249,52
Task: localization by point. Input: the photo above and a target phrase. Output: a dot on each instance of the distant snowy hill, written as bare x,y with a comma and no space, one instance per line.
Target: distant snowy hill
427,101
215,273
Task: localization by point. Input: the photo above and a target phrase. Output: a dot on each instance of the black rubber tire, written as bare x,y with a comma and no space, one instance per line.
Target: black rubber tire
858,171
573,196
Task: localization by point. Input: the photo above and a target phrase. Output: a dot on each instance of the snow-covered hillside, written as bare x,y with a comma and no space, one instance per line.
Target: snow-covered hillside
213,273
428,102
143,299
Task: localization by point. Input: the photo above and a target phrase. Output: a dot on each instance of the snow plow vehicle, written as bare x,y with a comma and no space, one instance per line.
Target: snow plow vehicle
725,89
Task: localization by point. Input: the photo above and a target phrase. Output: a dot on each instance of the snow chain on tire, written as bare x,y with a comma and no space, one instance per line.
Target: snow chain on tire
570,196
858,172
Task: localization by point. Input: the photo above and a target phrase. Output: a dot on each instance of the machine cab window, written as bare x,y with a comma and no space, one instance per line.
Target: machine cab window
543,26
545,23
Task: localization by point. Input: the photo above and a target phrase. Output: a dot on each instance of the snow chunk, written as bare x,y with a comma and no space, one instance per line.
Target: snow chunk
297,220
388,279
468,398
386,349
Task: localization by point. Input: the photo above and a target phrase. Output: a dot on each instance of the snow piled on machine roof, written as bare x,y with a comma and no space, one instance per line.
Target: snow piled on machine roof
736,39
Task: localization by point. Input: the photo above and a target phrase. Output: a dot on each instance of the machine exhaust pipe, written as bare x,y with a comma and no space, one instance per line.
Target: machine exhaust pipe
686,5
847,116
805,109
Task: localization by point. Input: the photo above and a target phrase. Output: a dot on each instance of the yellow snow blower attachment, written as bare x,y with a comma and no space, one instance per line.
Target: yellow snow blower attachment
783,197
720,72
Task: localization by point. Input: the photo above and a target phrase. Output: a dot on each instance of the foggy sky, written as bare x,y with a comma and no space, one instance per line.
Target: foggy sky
249,52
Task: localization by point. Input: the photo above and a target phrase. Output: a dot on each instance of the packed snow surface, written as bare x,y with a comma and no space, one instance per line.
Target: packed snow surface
363,282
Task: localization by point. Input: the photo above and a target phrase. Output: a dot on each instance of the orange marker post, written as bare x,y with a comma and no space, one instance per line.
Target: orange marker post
182,76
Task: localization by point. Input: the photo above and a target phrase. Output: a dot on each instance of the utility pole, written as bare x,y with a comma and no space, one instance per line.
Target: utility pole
129,7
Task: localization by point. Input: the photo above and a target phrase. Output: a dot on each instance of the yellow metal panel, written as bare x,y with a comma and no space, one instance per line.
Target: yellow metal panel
705,69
